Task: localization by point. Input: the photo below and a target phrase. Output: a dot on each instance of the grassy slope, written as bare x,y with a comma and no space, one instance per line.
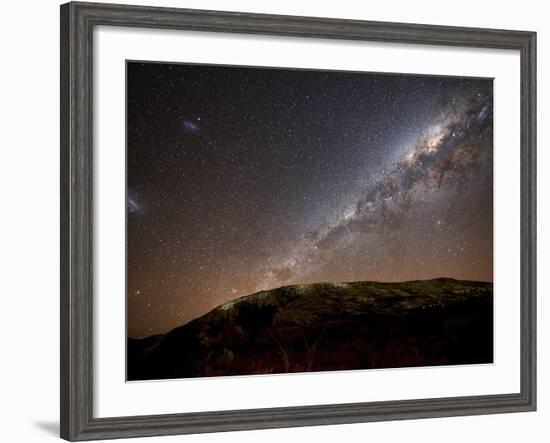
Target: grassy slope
327,326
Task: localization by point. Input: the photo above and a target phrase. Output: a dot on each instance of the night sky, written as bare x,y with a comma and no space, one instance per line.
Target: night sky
242,179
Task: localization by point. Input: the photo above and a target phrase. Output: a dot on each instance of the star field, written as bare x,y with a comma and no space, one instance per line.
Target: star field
241,179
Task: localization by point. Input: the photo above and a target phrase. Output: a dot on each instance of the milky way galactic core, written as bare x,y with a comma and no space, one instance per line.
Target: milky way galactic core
241,179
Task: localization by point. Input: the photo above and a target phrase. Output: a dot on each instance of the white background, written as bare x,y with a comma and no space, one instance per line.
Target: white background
29,250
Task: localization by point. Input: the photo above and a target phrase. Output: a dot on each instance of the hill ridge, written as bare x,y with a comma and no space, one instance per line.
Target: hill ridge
258,327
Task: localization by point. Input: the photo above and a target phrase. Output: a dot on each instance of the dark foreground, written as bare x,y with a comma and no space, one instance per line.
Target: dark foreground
327,327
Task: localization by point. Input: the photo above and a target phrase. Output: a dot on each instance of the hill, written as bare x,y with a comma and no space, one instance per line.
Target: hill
327,326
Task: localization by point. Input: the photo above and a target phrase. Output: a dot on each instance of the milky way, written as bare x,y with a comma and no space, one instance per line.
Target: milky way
243,179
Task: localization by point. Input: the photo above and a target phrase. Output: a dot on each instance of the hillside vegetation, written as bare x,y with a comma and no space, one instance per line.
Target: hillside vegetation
327,326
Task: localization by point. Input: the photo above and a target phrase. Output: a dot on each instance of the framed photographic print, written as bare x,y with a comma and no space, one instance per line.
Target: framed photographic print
272,221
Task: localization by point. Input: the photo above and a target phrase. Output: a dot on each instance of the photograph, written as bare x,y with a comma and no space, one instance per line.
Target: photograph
294,218
283,220
228,221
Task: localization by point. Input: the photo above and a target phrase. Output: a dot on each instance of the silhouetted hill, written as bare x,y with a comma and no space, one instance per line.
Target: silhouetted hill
327,326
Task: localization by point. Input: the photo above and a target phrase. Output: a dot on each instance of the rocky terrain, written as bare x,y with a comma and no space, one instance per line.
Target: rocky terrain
326,327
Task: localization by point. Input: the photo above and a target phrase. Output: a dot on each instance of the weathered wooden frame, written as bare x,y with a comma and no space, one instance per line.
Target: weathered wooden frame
77,23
